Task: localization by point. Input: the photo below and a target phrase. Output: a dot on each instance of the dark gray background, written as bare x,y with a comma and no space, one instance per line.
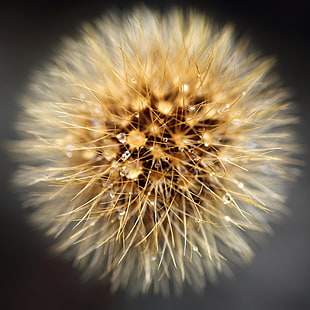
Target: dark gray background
278,278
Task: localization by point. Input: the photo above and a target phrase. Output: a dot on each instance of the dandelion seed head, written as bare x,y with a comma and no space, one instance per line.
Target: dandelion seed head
148,142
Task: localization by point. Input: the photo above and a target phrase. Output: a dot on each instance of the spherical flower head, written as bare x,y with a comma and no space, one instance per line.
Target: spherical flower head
155,146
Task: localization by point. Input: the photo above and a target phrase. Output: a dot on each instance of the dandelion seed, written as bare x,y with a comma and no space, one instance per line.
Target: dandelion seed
90,155
165,107
148,159
136,139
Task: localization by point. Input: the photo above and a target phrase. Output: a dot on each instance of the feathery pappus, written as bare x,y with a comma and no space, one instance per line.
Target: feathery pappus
155,147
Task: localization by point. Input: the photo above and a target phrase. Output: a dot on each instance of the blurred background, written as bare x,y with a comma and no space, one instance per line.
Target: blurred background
278,278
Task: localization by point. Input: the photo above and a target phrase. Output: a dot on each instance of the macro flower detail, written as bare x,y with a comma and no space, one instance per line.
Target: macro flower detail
155,146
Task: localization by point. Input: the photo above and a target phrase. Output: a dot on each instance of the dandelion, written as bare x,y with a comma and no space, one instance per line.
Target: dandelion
155,146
